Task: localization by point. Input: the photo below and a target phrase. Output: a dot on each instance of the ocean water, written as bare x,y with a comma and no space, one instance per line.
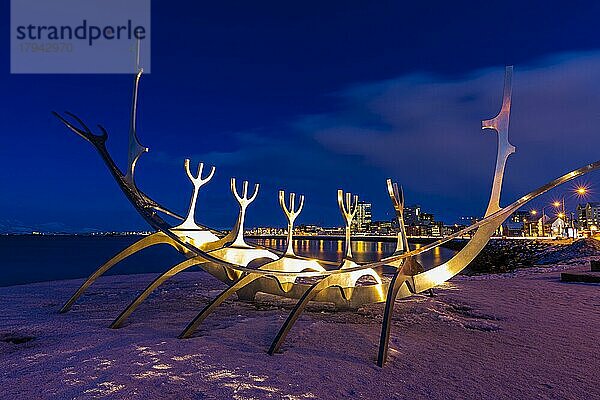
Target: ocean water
26,258
362,251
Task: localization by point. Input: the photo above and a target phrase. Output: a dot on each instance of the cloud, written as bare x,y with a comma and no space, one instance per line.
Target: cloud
425,130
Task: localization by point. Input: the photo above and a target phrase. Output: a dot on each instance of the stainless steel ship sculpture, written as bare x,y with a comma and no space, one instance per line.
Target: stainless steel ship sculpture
248,269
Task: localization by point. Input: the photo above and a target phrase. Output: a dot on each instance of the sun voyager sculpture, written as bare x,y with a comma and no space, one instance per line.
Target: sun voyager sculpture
248,268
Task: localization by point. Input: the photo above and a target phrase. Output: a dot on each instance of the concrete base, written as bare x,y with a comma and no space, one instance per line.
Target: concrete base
586,277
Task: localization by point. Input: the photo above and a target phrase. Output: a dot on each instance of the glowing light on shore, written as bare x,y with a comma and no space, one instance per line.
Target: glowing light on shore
581,190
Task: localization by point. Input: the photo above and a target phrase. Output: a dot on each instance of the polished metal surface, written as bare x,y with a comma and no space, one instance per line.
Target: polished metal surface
291,215
249,269
500,124
148,241
348,210
182,266
397,197
237,252
190,221
289,262
135,147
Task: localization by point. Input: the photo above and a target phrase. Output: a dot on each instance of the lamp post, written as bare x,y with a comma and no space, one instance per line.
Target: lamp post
580,191
534,212
557,204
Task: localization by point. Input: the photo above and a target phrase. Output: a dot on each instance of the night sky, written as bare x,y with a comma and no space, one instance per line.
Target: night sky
311,97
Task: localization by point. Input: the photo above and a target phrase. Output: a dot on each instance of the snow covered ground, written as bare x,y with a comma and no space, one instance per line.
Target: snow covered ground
523,335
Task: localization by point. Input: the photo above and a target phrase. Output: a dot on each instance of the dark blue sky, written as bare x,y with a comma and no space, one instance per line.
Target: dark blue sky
309,97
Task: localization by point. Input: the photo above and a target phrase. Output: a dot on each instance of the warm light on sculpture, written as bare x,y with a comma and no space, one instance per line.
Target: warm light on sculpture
248,268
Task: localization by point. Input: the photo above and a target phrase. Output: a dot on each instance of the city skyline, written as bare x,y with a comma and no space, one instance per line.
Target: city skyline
262,98
578,198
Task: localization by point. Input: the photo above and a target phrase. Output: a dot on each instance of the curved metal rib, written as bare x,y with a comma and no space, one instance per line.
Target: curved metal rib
295,314
398,284
240,283
285,263
182,266
345,281
148,241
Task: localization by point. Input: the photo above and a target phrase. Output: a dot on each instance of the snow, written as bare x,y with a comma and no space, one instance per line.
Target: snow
521,335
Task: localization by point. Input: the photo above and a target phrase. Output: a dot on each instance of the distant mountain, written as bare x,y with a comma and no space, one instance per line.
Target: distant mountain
18,227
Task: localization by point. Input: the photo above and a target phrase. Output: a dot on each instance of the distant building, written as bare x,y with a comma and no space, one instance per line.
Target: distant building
266,231
521,223
468,220
427,218
511,229
588,215
413,230
558,227
544,226
419,223
362,219
382,227
437,228
520,217
334,231
451,229
412,215
530,227
307,230
423,230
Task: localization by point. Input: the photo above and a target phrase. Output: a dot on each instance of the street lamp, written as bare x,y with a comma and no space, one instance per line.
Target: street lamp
559,204
561,214
580,191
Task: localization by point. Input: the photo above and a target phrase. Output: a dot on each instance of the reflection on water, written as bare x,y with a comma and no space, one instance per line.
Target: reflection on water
363,251
30,258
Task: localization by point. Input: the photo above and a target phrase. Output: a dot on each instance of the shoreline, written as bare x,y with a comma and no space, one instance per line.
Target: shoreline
77,257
